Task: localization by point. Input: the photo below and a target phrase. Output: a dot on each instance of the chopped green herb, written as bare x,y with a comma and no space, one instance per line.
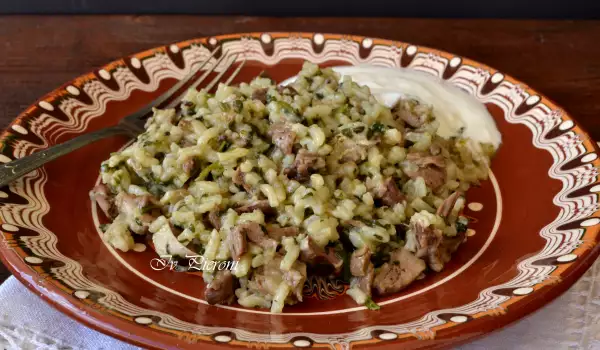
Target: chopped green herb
462,224
378,127
341,110
224,106
286,108
167,133
270,98
138,222
319,95
103,227
213,167
238,106
359,129
347,132
346,274
371,305
224,146
190,112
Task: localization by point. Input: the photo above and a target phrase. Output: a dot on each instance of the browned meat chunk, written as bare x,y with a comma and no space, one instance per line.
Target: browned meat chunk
262,205
295,278
214,218
236,241
448,204
409,118
277,232
265,279
261,95
350,151
312,254
435,149
434,177
402,269
439,257
283,137
305,163
430,168
287,90
359,261
365,283
129,204
238,179
255,234
221,289
428,240
422,160
435,247
389,193
101,193
189,165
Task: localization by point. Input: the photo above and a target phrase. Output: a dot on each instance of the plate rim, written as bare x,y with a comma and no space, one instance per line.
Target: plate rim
105,324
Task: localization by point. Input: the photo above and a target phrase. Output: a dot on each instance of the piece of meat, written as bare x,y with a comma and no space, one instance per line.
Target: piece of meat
221,289
101,194
434,177
214,218
365,282
261,95
295,278
238,179
434,246
430,168
389,193
277,232
283,137
423,160
402,269
129,205
255,234
439,257
350,151
236,241
189,165
291,90
448,204
312,254
435,149
262,205
409,118
359,261
266,278
305,163
428,239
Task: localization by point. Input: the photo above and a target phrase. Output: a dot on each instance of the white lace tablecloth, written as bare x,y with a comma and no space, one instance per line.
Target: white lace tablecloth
570,322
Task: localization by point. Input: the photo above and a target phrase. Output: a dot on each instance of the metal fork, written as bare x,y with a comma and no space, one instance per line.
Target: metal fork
131,125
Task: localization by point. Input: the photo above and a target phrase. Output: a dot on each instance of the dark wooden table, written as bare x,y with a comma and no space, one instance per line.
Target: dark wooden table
557,58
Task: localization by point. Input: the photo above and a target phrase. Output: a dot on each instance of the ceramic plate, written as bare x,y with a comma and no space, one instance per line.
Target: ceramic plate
535,222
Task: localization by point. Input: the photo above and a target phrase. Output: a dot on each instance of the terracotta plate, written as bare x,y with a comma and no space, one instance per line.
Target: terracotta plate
535,225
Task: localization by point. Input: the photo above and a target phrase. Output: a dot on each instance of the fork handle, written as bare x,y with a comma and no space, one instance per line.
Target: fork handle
17,168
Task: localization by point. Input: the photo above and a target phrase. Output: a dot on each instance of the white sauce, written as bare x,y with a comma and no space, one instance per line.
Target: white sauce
453,108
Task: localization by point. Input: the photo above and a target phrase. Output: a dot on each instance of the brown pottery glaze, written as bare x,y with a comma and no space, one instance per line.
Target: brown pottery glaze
534,227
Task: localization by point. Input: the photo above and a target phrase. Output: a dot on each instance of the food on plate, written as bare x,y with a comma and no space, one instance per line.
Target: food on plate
316,176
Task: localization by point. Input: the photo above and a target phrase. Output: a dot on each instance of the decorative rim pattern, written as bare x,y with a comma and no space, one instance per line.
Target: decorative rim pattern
570,238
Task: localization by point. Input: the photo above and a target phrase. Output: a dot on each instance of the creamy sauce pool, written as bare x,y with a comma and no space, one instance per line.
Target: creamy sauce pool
453,108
